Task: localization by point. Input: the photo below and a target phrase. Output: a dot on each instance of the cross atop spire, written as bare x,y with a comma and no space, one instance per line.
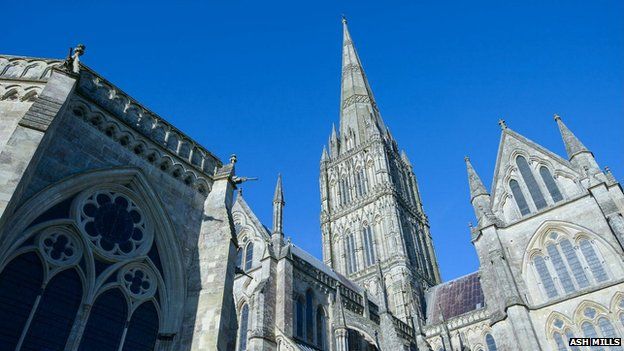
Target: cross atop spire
502,124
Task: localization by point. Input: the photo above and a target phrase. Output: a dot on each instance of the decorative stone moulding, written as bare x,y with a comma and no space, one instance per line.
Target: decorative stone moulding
113,223
197,175
36,69
19,92
147,123
59,246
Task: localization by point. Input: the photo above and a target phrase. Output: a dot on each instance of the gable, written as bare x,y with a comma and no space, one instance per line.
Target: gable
509,178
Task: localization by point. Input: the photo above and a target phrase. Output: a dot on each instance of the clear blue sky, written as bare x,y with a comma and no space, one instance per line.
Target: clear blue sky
261,79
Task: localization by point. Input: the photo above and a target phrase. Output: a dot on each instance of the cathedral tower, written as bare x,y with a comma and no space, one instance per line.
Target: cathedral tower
371,211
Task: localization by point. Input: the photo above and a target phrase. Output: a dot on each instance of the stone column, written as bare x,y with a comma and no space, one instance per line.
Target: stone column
211,285
342,342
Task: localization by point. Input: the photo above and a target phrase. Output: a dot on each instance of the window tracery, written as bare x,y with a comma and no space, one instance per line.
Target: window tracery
101,244
563,268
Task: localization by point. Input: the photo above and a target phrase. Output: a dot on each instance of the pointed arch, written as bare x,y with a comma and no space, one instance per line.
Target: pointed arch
573,254
166,238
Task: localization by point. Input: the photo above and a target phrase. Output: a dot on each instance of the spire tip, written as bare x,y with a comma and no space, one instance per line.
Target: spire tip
502,124
344,19
557,117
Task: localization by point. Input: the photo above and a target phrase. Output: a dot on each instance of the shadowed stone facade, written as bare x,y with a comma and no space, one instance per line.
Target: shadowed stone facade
118,230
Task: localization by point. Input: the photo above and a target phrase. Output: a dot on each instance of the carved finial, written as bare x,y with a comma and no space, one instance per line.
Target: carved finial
502,124
557,117
233,159
466,158
344,19
72,62
79,50
607,170
240,191
470,225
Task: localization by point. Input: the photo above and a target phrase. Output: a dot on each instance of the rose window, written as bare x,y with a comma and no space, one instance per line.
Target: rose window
139,281
59,247
114,224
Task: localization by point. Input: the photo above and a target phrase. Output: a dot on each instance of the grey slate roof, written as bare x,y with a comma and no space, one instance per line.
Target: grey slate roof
454,298
316,263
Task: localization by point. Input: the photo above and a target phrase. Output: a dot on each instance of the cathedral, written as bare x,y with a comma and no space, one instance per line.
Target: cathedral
120,232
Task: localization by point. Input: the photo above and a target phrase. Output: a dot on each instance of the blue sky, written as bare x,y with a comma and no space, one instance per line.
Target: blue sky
261,79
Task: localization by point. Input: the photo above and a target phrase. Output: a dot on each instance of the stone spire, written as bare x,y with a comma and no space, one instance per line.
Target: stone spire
324,155
278,212
578,154
573,145
479,196
405,159
358,109
476,185
334,145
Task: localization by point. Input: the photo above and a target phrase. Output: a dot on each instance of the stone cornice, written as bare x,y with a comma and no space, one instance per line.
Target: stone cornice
146,122
158,155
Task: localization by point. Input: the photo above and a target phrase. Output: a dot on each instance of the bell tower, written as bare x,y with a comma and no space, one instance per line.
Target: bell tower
371,211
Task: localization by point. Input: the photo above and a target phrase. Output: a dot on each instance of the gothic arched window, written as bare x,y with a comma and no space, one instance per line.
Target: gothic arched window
143,328
369,246
309,315
249,256
321,328
239,258
545,277
551,185
594,262
519,197
531,183
560,268
106,322
243,325
299,316
360,182
20,282
55,315
350,254
489,341
574,263
99,235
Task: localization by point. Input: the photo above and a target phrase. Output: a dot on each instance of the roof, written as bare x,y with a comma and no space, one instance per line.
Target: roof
316,263
454,298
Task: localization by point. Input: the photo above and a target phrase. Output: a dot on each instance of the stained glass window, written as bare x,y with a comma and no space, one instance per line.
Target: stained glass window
561,346
249,256
19,286
531,183
351,257
593,261
106,322
551,185
320,327
55,315
243,325
489,341
574,263
309,316
369,247
519,196
560,268
542,271
143,329
299,307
